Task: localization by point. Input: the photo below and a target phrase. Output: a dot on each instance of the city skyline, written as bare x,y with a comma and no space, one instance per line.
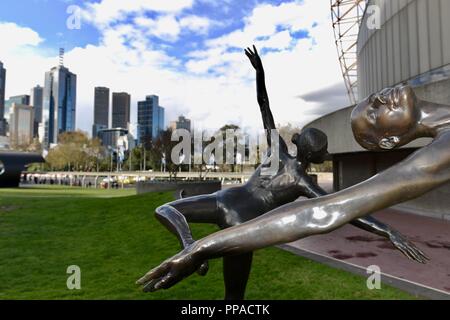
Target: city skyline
190,53
119,112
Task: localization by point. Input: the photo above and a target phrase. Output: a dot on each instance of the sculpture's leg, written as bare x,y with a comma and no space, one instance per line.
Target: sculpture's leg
176,215
236,270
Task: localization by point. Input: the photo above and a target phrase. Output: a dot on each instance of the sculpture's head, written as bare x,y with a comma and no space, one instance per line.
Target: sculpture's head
387,119
312,145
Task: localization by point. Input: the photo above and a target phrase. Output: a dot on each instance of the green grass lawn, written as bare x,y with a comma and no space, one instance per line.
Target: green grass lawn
114,238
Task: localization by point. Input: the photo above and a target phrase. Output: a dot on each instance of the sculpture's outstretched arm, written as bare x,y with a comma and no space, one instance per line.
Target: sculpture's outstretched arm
421,172
372,225
263,97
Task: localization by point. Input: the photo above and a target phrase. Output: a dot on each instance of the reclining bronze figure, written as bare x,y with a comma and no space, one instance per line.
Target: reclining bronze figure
261,194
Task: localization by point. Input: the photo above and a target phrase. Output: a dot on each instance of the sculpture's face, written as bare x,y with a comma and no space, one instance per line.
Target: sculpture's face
387,119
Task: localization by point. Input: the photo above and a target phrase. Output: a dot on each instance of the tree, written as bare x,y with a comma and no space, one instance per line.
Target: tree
76,152
163,145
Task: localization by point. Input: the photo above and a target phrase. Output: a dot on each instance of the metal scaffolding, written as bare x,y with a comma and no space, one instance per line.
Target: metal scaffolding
346,17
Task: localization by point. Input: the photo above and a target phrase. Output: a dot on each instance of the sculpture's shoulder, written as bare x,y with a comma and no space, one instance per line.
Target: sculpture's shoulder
284,174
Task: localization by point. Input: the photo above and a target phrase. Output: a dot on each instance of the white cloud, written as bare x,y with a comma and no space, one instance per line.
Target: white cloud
25,64
16,37
109,11
195,23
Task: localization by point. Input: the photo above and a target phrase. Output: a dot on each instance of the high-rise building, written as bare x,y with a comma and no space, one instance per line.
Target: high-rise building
21,124
150,119
36,101
20,99
109,137
2,100
121,102
101,110
59,107
181,123
23,99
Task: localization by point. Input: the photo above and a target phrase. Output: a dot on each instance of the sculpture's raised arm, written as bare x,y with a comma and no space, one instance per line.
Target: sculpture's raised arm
380,122
263,97
261,90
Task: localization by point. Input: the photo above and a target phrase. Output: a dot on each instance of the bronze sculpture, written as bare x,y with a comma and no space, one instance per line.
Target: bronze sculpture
385,120
262,193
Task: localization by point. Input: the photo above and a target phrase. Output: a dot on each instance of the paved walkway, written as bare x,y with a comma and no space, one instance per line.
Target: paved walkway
352,246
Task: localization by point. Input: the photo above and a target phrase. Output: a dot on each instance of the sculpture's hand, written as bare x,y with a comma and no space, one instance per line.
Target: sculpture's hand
254,58
407,248
171,271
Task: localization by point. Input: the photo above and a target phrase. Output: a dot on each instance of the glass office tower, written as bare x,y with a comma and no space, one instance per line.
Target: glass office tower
150,119
2,100
59,107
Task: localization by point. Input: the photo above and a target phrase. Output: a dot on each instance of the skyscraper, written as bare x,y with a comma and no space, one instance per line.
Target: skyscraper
22,99
59,107
121,110
101,110
21,124
36,101
181,123
150,119
2,100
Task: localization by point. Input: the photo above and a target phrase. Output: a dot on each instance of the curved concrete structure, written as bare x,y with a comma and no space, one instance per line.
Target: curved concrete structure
12,164
412,44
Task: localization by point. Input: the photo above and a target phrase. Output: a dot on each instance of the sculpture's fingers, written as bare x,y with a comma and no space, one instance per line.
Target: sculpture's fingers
413,251
420,254
166,282
404,251
152,274
150,286
248,54
254,48
415,255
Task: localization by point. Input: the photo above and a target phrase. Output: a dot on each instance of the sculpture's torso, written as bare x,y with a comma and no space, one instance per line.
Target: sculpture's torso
264,191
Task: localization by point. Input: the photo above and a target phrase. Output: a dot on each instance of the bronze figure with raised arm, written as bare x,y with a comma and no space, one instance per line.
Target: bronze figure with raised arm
262,193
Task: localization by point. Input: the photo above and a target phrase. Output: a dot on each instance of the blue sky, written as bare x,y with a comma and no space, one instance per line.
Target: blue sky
48,18
190,52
